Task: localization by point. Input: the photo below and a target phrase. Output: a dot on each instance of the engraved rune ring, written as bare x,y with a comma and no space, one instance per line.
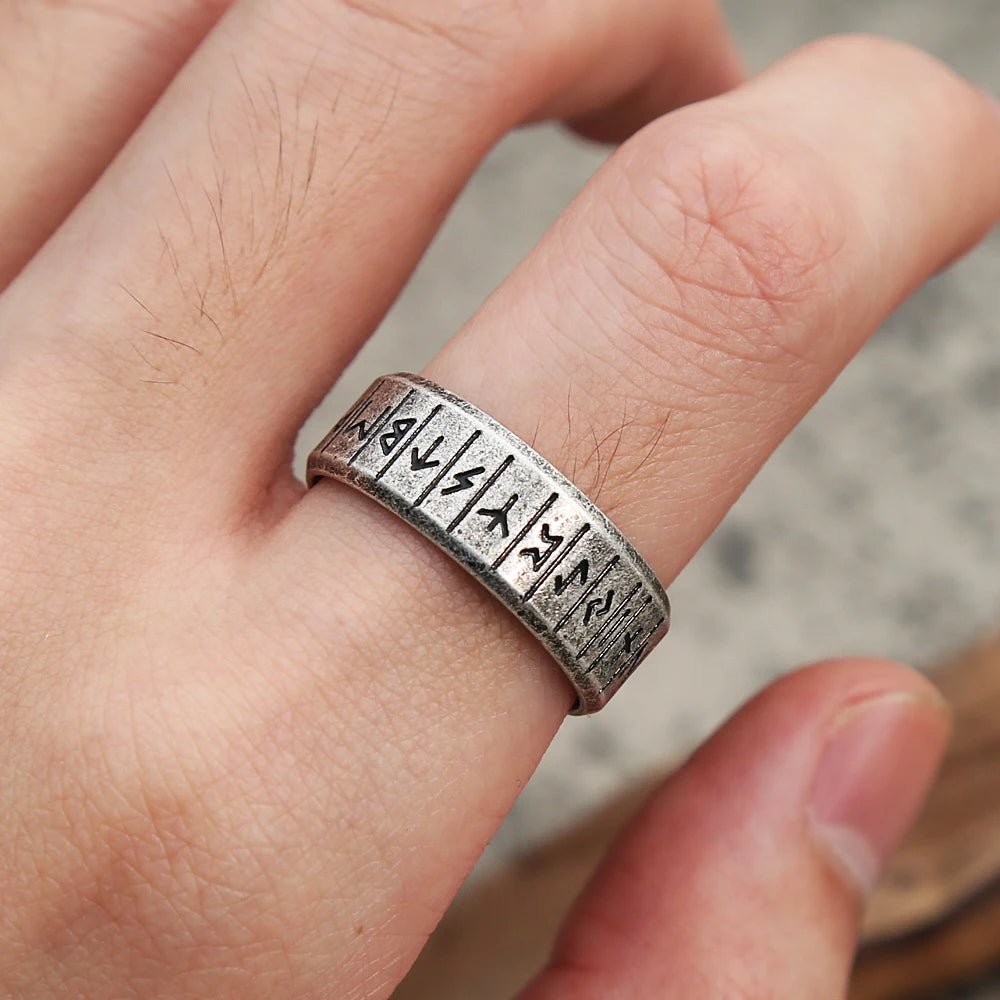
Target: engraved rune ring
516,523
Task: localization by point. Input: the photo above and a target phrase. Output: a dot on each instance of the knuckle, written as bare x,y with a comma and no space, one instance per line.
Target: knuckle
739,230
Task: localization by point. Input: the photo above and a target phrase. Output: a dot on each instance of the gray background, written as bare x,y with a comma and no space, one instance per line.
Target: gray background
875,528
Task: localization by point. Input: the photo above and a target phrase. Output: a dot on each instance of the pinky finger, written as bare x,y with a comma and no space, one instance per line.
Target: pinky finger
744,874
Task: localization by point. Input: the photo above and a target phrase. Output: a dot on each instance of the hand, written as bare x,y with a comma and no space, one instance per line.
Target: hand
253,739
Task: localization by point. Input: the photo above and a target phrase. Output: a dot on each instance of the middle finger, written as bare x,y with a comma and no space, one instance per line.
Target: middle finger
262,220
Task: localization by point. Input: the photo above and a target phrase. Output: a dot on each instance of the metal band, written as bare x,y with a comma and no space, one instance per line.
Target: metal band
515,522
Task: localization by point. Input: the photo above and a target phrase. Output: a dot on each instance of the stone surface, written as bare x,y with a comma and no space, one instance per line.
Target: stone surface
875,528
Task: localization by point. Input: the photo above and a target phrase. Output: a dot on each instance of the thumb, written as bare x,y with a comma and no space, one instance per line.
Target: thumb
745,875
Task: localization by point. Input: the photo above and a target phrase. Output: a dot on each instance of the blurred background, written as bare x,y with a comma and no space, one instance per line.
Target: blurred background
876,527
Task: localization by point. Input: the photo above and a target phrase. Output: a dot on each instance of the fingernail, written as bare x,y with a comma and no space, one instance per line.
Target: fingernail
873,775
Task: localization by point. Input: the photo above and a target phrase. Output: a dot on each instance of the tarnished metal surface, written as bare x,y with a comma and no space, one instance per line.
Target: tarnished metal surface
509,517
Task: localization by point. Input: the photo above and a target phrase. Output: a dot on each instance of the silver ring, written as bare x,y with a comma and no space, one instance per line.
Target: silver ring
516,523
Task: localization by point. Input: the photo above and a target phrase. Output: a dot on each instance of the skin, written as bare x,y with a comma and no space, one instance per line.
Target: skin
242,754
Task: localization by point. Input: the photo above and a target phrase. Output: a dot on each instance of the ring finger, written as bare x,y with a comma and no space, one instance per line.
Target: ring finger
657,346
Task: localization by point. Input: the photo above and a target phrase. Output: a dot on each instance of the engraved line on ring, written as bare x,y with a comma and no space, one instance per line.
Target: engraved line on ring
554,565
617,632
409,440
379,424
355,411
429,489
497,473
607,621
345,422
604,572
519,537
630,663
630,651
